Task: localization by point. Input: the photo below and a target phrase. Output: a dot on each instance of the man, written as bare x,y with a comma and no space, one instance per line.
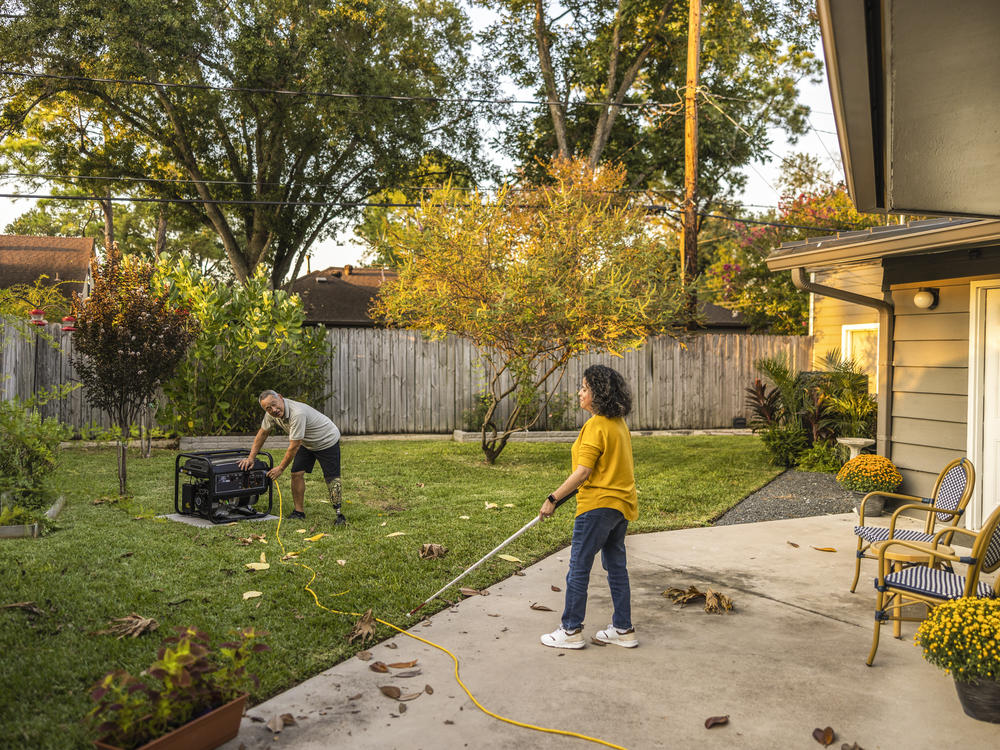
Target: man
312,436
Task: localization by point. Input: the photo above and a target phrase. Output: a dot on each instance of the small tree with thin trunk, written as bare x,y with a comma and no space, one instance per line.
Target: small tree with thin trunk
532,276
130,337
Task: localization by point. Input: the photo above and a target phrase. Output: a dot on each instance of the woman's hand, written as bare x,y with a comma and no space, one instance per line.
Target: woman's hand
547,509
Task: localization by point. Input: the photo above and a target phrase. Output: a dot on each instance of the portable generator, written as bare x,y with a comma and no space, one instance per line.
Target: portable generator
216,488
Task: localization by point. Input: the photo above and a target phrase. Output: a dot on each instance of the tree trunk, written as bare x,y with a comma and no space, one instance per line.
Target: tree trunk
549,76
161,232
107,208
122,467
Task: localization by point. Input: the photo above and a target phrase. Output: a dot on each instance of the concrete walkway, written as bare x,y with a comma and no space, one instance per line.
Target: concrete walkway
789,659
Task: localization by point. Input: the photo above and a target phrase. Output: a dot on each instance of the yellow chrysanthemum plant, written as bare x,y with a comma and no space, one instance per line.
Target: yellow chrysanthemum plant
869,473
962,636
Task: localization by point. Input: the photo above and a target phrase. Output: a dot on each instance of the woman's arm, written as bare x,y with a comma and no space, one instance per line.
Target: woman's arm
573,481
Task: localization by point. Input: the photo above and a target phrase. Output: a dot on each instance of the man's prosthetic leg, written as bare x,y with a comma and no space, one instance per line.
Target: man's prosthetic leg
333,485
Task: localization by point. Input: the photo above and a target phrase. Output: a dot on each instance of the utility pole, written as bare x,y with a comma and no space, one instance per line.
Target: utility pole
689,234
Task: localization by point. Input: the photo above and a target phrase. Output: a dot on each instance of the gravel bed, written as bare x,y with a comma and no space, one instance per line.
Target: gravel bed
793,494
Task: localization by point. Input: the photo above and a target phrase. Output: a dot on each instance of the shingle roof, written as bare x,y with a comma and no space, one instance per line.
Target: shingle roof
24,258
341,296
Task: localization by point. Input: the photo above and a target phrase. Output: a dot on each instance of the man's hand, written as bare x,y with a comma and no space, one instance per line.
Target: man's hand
276,472
247,463
547,509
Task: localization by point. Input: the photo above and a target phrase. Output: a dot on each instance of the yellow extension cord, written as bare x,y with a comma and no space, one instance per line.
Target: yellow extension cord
429,643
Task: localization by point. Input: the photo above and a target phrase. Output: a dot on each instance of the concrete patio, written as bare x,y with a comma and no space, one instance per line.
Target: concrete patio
789,659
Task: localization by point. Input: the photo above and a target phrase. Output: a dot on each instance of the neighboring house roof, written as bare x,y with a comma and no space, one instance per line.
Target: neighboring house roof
24,258
340,296
913,238
715,316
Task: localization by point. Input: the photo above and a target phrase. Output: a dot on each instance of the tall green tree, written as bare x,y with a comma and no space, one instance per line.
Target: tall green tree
224,113
623,52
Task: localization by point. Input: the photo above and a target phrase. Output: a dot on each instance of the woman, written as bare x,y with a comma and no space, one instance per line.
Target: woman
605,503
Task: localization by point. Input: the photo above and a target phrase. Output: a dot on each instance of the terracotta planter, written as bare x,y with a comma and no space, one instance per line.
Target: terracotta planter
207,732
980,700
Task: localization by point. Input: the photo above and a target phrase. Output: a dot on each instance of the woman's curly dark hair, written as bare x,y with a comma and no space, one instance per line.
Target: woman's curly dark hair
609,391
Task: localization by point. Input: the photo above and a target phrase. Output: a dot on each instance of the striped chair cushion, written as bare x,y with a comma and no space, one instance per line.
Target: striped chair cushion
950,491
940,583
992,557
872,534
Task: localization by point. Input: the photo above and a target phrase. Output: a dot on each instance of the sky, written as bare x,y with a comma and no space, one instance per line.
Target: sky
761,189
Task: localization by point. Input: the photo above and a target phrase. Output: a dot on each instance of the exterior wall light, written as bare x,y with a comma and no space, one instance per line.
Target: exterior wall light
926,298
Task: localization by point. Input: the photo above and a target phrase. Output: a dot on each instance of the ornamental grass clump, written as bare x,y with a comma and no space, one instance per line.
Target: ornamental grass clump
869,473
960,636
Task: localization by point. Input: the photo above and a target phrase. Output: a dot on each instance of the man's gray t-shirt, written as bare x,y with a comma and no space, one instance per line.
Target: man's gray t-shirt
316,430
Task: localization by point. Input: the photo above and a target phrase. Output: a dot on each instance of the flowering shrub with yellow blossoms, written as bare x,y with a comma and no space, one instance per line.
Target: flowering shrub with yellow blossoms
868,473
961,636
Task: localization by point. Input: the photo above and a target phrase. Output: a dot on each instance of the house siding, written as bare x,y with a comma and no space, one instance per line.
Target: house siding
930,383
829,314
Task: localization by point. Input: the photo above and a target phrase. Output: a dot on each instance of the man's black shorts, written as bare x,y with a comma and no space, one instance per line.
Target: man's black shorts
329,460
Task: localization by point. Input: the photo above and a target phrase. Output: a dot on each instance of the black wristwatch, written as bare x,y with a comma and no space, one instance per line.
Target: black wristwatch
551,499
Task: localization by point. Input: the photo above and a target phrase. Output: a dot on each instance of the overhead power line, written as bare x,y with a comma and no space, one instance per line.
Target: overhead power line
330,94
650,208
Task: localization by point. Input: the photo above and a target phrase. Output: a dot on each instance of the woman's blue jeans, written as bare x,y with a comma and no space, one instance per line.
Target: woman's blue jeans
600,529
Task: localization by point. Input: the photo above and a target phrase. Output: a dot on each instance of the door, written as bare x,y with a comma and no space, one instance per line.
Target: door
989,464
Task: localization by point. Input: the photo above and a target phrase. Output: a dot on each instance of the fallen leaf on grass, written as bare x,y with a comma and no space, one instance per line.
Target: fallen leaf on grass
132,625
364,655
396,533
824,736
541,607
300,531
289,556
383,523
510,558
28,607
363,628
432,551
464,518
556,588
825,549
252,594
490,506
791,544
714,721
403,664
391,691
378,667
316,537
508,505
258,566
341,562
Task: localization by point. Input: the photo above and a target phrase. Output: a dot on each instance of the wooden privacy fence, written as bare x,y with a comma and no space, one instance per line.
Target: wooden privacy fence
396,381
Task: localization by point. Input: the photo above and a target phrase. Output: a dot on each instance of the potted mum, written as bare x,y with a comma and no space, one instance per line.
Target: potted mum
873,475
192,698
961,636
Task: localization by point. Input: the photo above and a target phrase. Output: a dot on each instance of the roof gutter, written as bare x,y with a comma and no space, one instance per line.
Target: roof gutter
883,429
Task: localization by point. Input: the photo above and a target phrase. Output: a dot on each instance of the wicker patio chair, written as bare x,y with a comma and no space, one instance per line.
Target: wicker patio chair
952,492
928,585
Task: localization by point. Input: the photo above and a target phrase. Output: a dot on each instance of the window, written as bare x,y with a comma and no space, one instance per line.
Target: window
860,343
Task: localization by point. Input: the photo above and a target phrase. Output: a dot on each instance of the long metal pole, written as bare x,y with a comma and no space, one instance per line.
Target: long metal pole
496,549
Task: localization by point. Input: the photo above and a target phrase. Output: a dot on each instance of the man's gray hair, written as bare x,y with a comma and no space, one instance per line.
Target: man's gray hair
268,394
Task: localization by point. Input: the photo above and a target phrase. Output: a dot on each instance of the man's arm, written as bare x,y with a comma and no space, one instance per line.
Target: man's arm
258,443
293,448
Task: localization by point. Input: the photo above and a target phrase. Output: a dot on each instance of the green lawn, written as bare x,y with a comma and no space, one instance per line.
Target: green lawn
104,560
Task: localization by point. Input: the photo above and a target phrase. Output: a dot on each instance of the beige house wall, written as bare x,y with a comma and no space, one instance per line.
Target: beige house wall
830,315
930,383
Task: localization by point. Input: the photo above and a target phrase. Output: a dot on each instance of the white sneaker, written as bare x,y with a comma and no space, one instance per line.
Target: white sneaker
559,638
626,638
